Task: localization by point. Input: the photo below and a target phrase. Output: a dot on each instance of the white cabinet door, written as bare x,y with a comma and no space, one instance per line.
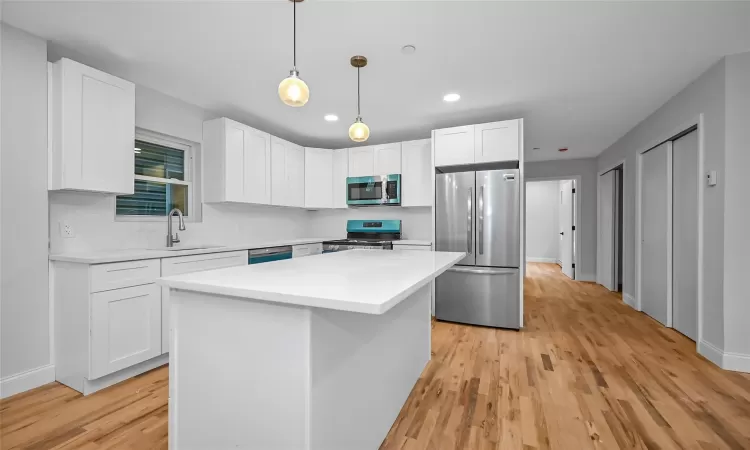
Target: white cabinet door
340,172
125,328
287,173
257,167
93,130
454,146
295,175
236,162
416,173
361,162
387,159
318,175
497,141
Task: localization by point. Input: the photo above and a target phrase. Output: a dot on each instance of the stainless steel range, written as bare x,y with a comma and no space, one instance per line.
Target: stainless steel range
367,234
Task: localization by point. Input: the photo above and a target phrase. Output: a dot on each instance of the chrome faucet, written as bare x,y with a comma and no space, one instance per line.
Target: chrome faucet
171,240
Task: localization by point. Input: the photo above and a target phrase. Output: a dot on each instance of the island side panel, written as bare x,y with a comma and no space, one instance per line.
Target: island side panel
363,368
239,373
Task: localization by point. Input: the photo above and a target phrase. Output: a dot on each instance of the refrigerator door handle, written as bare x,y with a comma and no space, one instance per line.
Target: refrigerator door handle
483,270
480,224
468,224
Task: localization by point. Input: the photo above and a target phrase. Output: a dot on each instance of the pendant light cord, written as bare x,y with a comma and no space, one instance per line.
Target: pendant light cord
358,101
294,33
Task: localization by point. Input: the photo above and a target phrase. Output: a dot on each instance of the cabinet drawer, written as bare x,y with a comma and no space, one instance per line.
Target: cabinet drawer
105,277
307,250
426,248
197,263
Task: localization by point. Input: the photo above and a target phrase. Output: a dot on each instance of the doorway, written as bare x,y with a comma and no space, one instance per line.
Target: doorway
668,215
610,210
551,217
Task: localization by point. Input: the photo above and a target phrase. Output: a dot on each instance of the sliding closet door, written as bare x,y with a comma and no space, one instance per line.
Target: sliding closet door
685,235
655,218
605,271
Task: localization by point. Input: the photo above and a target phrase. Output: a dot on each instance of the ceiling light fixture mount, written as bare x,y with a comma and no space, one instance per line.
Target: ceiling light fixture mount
293,91
359,131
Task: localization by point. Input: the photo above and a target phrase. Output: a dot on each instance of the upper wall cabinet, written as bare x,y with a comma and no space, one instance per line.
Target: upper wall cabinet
416,173
361,161
319,178
287,173
387,159
484,143
340,172
236,163
92,129
497,141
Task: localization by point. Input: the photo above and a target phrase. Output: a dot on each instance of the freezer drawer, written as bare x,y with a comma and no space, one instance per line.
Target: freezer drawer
485,296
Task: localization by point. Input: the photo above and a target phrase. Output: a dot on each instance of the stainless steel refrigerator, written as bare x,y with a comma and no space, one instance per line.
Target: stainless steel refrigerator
478,213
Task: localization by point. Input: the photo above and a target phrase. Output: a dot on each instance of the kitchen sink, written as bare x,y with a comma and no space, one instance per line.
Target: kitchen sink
178,248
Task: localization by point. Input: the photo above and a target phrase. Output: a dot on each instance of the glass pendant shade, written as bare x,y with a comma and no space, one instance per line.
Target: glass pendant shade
359,131
293,91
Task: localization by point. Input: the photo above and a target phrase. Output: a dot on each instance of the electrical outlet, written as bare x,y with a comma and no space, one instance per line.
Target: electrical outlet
66,230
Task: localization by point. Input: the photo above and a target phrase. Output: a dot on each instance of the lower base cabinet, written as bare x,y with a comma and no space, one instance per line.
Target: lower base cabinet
125,328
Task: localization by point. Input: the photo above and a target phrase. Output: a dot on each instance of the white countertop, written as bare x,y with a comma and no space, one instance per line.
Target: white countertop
363,281
109,256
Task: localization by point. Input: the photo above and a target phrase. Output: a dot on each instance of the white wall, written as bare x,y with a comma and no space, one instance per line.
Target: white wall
705,95
93,219
737,206
416,223
542,221
25,306
586,170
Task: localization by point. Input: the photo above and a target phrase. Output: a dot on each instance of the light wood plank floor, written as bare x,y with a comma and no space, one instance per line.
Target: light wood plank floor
587,372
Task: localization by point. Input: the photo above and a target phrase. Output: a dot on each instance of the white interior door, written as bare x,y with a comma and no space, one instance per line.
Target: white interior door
605,270
655,218
566,228
685,235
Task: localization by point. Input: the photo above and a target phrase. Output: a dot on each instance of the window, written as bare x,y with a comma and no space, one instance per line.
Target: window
163,180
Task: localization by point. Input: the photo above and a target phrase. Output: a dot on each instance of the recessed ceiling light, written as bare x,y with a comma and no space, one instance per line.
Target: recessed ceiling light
453,97
331,117
408,49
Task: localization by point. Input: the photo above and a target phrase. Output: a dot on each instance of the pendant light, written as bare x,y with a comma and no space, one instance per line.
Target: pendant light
359,131
292,90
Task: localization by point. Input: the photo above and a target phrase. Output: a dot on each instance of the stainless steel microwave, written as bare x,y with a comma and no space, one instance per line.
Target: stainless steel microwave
374,190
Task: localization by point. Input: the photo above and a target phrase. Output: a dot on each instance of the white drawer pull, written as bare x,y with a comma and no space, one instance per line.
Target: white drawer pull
126,268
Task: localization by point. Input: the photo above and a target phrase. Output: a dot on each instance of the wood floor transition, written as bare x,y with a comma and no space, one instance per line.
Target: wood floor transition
586,372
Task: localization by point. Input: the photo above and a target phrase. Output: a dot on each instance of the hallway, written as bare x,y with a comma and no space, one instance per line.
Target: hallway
587,372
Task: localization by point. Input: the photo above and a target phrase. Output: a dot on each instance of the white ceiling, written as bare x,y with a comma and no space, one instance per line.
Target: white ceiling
581,74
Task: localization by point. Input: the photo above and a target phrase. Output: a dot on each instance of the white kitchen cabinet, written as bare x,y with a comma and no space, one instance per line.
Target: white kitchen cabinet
125,328
287,173
361,161
340,172
387,159
454,146
92,129
318,178
496,141
307,249
416,173
236,163
425,248
188,264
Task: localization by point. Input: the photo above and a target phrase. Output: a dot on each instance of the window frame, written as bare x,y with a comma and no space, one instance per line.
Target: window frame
189,151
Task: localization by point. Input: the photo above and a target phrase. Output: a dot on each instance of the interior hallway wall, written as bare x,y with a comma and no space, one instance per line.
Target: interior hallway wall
542,221
584,168
24,304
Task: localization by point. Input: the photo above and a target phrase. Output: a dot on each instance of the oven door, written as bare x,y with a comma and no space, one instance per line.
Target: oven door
375,190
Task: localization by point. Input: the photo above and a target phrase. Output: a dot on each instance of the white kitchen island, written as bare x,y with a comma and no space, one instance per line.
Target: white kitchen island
314,353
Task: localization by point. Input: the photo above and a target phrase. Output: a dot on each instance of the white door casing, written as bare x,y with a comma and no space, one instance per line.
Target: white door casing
566,228
605,269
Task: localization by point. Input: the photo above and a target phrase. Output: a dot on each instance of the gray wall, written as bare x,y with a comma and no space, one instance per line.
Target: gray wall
24,300
737,205
586,170
705,95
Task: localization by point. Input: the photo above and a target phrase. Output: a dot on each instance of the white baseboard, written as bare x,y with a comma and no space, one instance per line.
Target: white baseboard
736,362
630,301
540,260
586,277
24,381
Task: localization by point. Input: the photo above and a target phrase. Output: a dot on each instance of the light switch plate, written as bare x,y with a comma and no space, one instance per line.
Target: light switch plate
711,178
